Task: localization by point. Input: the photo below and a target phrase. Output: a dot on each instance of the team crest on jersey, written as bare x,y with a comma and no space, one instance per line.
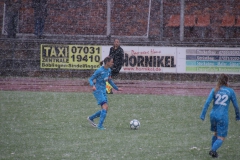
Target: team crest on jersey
108,77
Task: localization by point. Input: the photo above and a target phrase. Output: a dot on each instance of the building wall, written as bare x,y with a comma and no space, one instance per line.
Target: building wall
130,18
68,17
21,56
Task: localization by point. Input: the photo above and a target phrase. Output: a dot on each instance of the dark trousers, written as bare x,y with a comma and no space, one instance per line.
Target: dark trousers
39,26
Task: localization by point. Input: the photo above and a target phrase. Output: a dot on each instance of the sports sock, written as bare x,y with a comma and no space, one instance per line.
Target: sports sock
214,138
217,144
95,115
102,117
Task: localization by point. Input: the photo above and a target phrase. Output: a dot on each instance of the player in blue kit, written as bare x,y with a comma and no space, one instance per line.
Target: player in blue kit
101,75
221,96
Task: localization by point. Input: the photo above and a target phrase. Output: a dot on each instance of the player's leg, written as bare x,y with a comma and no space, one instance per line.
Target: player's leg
221,134
216,145
213,128
95,115
92,117
214,137
99,97
103,116
222,129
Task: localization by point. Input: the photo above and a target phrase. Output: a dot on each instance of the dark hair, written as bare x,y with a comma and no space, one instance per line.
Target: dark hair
107,59
222,81
116,39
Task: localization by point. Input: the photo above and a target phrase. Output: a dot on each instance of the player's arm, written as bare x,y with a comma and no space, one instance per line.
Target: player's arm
91,79
235,105
206,105
110,80
112,84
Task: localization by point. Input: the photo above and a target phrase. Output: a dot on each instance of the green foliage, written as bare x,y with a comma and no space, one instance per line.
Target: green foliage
48,125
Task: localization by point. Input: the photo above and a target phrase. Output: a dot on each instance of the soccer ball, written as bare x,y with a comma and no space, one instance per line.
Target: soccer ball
134,124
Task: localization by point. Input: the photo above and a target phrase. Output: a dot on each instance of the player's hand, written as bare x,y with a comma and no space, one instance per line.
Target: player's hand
94,88
120,89
202,118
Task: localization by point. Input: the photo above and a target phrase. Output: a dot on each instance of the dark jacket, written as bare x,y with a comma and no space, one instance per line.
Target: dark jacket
117,55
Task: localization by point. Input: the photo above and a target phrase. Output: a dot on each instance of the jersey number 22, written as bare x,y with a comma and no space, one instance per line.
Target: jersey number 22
221,99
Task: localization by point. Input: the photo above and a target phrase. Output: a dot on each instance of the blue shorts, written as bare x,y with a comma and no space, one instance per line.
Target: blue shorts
101,97
219,126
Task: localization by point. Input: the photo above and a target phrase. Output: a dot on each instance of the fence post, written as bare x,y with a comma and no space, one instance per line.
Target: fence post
108,17
182,20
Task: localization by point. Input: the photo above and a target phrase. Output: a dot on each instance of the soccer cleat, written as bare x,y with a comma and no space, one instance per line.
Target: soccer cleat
91,122
214,154
101,128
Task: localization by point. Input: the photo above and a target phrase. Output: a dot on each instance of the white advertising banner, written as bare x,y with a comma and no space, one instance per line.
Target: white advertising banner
150,59
147,59
209,60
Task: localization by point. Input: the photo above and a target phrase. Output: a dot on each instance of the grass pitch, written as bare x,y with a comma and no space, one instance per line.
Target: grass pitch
47,125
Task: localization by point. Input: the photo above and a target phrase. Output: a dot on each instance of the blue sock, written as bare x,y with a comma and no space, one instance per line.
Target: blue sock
95,115
214,138
217,144
102,117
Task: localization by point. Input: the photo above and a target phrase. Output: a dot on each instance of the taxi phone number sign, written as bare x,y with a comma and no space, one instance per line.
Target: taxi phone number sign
70,56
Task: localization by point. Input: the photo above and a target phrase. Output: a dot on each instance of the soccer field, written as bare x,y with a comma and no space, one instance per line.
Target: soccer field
53,125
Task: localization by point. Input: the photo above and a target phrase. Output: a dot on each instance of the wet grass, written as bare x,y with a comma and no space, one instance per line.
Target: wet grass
47,125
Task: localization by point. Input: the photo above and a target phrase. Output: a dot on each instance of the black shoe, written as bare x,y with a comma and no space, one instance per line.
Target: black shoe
214,154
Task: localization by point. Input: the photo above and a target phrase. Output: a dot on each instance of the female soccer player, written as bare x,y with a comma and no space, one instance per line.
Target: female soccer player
221,96
101,75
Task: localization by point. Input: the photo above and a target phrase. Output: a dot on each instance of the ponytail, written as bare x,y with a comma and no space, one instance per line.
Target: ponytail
222,81
107,59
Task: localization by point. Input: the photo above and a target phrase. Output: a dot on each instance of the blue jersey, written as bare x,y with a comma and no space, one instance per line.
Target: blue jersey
221,100
101,75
